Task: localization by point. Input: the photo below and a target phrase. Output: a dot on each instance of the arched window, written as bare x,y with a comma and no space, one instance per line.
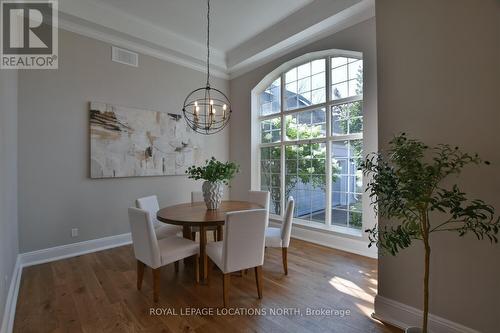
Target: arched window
310,120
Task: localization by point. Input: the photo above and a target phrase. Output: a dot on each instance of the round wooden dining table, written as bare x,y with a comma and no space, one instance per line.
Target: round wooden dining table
196,214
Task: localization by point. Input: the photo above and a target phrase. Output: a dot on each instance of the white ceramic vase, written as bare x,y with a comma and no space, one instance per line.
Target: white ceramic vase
212,194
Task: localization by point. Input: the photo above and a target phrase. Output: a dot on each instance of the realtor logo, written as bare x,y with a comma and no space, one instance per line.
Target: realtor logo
29,35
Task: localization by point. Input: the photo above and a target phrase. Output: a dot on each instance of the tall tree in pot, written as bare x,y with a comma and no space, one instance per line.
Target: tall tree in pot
216,174
406,187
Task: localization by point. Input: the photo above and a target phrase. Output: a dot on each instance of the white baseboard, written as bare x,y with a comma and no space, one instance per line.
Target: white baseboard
75,249
387,310
10,304
48,255
404,316
331,240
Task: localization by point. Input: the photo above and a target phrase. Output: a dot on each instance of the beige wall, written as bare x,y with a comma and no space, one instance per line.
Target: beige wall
438,80
8,181
55,192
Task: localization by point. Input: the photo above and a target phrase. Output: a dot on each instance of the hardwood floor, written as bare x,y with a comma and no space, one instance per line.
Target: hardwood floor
97,293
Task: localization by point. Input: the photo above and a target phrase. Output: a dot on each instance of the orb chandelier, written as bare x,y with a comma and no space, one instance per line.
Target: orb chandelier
207,110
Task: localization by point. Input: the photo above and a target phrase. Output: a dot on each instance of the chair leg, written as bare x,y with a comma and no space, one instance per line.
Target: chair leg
258,280
193,236
197,268
225,288
285,259
215,235
156,284
140,274
176,266
209,270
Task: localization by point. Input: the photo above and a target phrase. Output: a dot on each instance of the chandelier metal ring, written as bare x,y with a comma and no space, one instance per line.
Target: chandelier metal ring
207,110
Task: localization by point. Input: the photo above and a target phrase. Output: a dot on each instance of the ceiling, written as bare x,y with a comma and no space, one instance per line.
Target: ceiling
244,33
232,21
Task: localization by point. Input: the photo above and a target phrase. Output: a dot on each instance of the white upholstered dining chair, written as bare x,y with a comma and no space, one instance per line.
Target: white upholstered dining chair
280,237
242,247
198,197
261,198
151,205
154,253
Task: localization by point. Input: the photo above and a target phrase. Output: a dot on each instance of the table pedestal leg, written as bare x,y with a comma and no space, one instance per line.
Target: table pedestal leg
220,233
186,233
203,252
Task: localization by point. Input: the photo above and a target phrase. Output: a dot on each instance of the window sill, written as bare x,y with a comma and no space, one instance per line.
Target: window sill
334,229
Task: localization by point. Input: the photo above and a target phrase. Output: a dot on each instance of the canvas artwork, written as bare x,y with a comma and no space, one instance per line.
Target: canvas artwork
128,142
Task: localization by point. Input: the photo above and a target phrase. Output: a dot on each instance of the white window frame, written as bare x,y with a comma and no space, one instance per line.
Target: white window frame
327,105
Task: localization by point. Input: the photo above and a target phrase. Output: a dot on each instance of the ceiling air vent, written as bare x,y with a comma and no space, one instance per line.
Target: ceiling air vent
124,56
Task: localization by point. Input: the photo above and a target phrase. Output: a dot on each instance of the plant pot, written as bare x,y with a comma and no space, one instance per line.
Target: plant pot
212,194
413,330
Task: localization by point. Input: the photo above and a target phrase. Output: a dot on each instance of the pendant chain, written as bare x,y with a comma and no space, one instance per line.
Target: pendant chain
208,43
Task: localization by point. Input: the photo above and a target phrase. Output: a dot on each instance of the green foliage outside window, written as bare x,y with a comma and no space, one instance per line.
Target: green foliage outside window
306,163
312,154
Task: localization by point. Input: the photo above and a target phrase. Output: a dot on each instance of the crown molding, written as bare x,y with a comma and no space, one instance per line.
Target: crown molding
101,15
104,23
68,23
346,18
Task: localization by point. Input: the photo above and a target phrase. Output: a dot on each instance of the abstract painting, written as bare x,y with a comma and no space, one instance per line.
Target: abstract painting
128,142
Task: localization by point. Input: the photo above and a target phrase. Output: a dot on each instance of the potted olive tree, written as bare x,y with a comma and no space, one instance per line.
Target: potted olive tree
406,187
215,174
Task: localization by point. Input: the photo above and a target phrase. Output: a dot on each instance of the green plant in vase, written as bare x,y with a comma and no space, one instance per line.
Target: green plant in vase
407,188
215,174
